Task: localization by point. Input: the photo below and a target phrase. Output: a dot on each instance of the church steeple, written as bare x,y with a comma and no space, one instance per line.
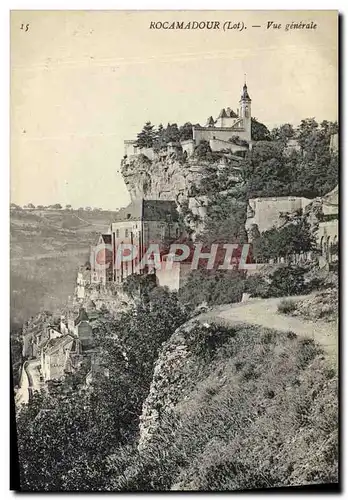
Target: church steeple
245,96
245,110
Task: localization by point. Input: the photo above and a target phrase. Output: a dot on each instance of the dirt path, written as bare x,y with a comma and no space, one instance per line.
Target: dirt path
30,381
263,312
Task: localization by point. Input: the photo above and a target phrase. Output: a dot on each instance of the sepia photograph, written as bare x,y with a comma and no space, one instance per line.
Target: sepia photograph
174,250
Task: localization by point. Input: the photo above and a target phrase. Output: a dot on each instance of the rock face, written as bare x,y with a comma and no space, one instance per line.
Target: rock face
168,383
167,179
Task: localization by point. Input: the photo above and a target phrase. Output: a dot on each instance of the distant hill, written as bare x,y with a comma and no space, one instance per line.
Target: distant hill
46,248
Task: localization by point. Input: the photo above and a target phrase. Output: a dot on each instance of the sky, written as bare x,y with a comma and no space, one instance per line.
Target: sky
84,81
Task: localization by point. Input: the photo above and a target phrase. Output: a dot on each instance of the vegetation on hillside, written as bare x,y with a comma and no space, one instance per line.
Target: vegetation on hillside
293,238
248,414
248,407
65,438
271,169
150,137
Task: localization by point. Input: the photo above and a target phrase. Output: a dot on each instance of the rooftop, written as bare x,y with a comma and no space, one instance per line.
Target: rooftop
148,210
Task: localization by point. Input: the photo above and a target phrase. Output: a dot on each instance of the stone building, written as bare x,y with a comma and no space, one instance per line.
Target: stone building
141,224
227,125
101,260
322,213
221,133
62,349
59,356
328,232
265,213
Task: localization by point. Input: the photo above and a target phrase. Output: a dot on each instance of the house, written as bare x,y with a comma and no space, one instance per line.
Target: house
59,356
230,130
83,278
140,224
101,260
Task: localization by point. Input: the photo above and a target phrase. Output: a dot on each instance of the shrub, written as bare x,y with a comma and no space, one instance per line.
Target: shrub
283,281
287,306
203,151
213,287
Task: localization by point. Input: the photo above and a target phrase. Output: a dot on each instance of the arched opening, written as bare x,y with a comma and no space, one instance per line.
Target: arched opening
334,249
328,249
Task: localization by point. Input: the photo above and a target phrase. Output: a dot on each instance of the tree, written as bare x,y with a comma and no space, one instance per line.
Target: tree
212,287
225,221
283,133
270,169
13,206
266,170
203,150
259,131
172,133
160,139
317,166
147,137
288,280
305,130
65,439
68,207
186,131
293,238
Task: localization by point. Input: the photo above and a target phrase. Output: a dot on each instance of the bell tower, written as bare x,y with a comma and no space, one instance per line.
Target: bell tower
245,111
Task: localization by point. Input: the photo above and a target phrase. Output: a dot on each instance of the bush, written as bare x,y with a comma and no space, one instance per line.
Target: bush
287,280
94,423
283,281
287,306
257,286
212,287
203,151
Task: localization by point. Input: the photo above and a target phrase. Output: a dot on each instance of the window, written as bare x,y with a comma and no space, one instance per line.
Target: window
126,233
117,233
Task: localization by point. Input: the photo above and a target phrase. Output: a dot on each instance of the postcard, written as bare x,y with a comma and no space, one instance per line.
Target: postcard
174,250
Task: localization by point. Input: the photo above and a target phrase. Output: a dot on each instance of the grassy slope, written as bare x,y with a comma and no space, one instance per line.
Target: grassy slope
42,276
245,407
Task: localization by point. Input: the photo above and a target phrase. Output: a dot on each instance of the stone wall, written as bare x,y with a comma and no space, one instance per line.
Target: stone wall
327,235
266,212
175,277
188,146
334,142
130,149
207,133
218,145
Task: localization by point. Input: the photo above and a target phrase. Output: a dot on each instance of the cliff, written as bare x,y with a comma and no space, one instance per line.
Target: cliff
194,183
163,178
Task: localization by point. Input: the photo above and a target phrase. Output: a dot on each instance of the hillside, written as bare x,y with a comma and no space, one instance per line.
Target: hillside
46,248
233,408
